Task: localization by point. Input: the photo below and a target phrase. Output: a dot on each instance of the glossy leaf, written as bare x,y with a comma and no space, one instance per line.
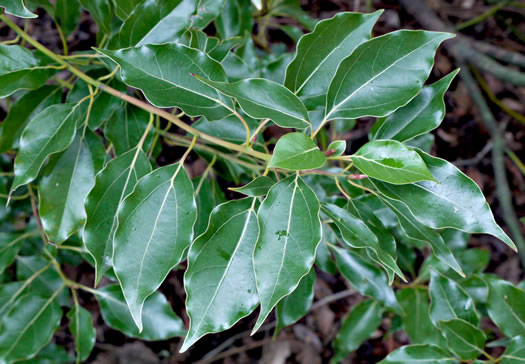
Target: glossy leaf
65,183
10,245
101,12
22,111
505,307
458,199
358,235
155,227
297,304
21,70
296,151
256,188
81,327
154,21
290,231
235,19
338,146
416,317
419,354
356,327
320,52
397,64
160,322
219,281
123,8
17,8
392,162
207,11
450,301
464,339
264,99
515,351
49,132
151,68
112,185
365,277
421,115
28,326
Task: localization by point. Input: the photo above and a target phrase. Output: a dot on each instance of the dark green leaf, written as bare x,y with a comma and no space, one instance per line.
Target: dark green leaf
123,8
392,162
296,152
258,187
219,281
112,185
160,322
101,12
515,351
207,196
235,19
17,8
155,227
421,115
506,308
10,244
207,11
382,74
464,339
67,15
419,354
289,236
81,327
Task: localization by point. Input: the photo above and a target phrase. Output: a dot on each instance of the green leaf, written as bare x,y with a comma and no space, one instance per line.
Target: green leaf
320,52
392,162
357,326
155,227
256,188
123,8
154,21
17,8
101,12
458,199
296,152
290,231
112,185
421,115
221,48
416,317
358,235
49,132
515,351
235,19
51,354
297,304
207,11
419,354
125,128
338,146
382,74
28,326
219,281
450,301
464,339
505,307
160,322
21,70
67,15
264,99
208,196
165,84
65,183
23,110
365,277
10,244
81,327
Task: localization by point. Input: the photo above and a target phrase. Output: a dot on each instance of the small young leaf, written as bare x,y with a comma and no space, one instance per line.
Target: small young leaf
450,301
419,354
421,115
365,277
17,8
339,147
392,162
81,327
219,281
51,131
290,232
256,188
505,307
112,185
263,99
320,52
396,66
294,306
160,322
155,227
357,326
167,84
296,152
515,351
65,183
464,339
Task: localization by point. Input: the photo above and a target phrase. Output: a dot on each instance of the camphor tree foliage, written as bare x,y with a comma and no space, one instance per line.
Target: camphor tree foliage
82,179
